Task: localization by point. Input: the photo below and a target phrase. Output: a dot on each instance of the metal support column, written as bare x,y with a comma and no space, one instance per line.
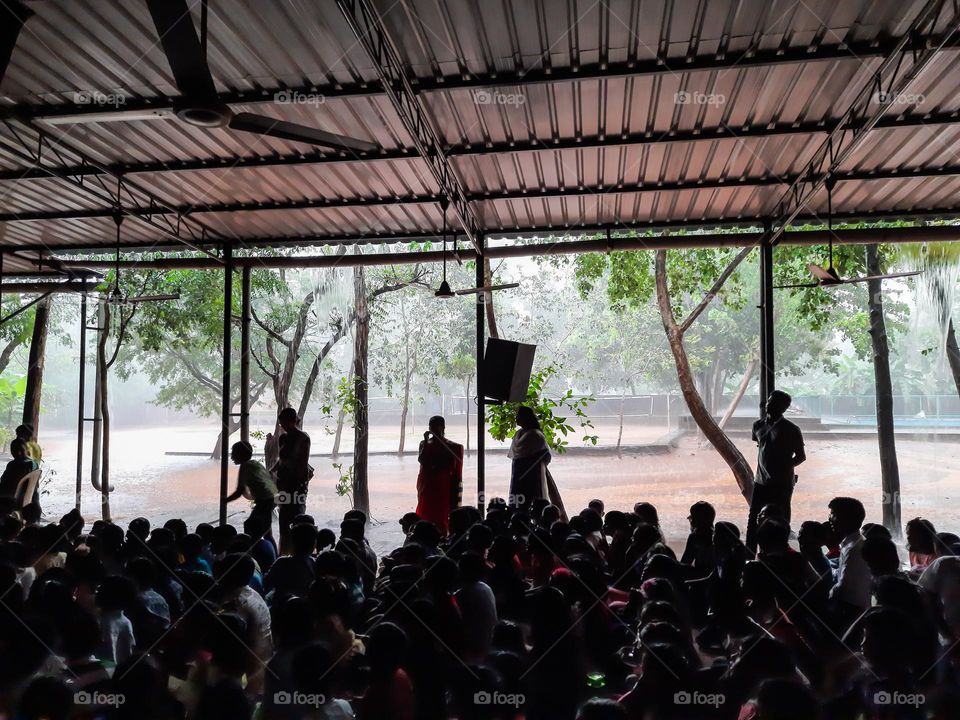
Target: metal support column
245,355
767,361
81,388
225,385
482,298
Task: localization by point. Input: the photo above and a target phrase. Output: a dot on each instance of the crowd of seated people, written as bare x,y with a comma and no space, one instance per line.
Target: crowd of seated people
511,615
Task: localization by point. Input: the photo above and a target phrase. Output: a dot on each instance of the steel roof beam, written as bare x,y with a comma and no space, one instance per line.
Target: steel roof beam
613,140
515,194
371,33
652,67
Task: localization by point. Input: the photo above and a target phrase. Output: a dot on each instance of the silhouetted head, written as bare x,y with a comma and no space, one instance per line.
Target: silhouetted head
921,536
702,515
18,448
437,425
846,516
527,419
24,432
241,452
288,419
777,404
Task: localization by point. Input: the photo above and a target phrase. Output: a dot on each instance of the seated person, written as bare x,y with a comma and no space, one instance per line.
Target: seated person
19,467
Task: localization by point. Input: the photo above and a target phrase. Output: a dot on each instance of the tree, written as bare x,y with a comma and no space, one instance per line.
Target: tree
463,368
38,347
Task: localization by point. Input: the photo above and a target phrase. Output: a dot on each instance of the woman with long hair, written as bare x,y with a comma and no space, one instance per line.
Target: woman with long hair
530,478
440,482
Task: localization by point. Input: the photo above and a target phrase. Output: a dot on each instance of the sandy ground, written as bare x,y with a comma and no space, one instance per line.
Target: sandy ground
151,484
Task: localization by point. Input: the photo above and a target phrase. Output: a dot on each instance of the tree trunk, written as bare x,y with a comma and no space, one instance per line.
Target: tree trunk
623,398
102,376
889,468
361,425
218,447
741,391
488,299
704,420
38,351
7,352
340,417
953,354
404,406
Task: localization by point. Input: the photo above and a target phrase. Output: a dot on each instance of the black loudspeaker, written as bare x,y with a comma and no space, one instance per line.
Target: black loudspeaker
506,370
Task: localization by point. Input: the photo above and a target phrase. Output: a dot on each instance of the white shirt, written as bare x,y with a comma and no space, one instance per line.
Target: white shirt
942,578
853,581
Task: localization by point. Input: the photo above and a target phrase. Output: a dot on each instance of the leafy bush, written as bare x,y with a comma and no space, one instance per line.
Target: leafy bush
555,413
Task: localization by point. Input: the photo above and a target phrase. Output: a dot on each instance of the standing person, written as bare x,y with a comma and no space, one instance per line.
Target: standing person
440,481
255,483
780,444
530,479
293,472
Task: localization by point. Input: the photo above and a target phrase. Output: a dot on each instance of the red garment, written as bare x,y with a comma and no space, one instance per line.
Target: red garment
440,481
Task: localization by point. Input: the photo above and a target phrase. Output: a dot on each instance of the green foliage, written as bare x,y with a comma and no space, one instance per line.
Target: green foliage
344,486
555,413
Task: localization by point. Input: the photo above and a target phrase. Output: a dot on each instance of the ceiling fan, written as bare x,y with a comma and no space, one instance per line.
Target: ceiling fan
828,276
444,290
198,104
115,296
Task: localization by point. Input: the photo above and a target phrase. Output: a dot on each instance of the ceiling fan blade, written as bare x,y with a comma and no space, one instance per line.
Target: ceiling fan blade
799,285
828,276
180,43
152,298
263,125
890,276
487,288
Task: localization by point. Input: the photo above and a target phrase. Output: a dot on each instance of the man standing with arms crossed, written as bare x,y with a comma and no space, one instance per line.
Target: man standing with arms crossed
780,444
293,472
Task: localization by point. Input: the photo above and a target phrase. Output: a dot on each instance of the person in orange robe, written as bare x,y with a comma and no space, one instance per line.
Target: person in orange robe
440,482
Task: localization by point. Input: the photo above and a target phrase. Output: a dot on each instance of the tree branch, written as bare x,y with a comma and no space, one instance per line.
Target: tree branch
714,289
267,329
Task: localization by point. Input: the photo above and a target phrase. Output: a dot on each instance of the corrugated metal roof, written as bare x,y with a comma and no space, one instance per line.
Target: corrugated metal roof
108,51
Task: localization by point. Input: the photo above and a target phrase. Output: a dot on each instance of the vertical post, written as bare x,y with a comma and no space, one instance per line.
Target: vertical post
245,355
767,366
81,391
482,299
225,385
97,444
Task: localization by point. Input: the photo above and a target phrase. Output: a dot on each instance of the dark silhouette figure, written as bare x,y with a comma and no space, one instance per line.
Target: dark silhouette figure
293,472
780,444
440,481
255,483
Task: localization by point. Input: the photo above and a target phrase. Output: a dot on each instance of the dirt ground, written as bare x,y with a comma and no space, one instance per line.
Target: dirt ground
157,486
